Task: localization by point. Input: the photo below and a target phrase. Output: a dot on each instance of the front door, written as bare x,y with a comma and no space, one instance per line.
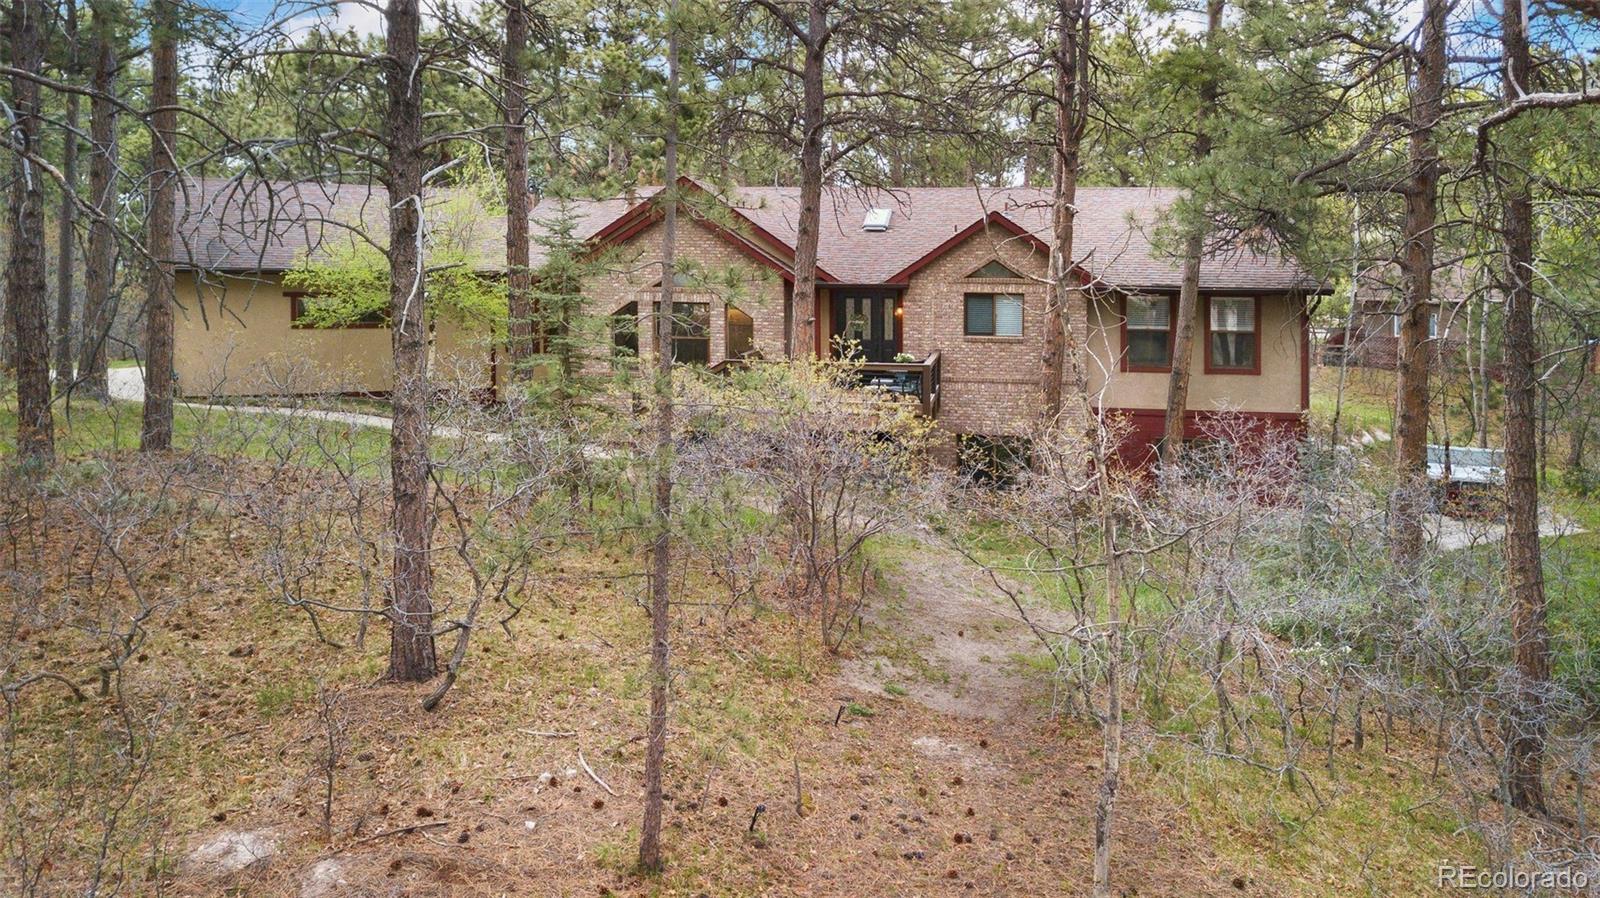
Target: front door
867,320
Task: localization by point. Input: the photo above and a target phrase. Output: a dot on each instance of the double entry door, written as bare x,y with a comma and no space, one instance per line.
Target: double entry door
867,319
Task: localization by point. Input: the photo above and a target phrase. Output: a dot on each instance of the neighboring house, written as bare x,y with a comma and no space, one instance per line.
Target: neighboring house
950,278
1374,337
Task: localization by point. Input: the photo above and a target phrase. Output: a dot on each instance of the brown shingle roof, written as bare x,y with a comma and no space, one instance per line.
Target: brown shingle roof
228,226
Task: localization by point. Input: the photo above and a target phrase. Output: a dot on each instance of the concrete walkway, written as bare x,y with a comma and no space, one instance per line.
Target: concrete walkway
1460,533
127,385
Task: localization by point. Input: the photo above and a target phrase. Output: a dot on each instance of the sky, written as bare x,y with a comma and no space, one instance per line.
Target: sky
365,18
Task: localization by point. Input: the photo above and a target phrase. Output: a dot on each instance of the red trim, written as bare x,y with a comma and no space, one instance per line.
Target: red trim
1218,369
646,212
1305,357
1264,416
631,225
1172,338
1147,428
750,249
903,276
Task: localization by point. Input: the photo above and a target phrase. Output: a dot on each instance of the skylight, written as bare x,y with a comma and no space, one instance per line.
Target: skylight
877,220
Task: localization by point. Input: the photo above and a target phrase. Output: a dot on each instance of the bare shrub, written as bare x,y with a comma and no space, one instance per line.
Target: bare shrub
799,452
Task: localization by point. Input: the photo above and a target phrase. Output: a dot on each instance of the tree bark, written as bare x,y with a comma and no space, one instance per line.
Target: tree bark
155,435
101,262
1414,350
1064,291
812,123
26,305
411,646
1527,724
1193,247
519,279
1111,728
1182,350
650,859
66,238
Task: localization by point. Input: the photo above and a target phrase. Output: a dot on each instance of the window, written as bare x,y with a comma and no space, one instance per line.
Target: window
741,333
994,271
625,332
300,304
1231,335
993,315
1147,333
1433,324
691,332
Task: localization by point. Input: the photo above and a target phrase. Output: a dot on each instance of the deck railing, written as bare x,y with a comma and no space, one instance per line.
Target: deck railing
916,379
919,379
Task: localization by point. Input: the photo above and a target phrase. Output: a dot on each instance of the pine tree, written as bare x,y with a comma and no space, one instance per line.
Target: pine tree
155,434
27,312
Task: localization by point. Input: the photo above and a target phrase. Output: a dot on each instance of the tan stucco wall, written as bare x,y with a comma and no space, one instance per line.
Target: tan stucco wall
1276,389
233,337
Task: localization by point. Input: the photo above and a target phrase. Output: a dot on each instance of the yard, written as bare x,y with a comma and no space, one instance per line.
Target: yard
924,759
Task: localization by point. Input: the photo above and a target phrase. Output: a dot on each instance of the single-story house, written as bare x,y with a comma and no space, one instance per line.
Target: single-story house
941,290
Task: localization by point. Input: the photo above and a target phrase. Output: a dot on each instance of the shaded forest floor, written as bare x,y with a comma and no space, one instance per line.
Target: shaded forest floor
928,759
920,788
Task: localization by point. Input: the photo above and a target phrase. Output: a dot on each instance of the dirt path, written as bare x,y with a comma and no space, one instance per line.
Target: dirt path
948,639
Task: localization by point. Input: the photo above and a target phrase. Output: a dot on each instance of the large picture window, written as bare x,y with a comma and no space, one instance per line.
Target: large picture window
625,332
741,330
691,332
993,315
1232,335
1147,333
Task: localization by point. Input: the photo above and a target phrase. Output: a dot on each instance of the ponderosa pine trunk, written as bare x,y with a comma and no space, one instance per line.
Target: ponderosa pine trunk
655,754
99,268
1182,350
155,434
519,279
1527,725
1409,500
1064,292
411,646
1193,248
26,304
812,124
66,239
1105,807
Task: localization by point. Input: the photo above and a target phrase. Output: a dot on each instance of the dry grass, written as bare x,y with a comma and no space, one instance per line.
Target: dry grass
898,799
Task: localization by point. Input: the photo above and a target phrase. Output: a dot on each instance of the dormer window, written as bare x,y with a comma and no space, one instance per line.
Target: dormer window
877,220
995,270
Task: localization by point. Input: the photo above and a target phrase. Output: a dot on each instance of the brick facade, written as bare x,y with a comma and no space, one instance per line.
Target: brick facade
991,384
632,273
